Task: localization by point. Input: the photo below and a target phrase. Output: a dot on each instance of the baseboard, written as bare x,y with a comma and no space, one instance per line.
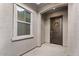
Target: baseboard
27,51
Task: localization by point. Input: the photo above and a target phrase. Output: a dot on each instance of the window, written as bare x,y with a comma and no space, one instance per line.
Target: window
22,23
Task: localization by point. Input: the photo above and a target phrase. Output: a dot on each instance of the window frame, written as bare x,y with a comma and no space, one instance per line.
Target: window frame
15,36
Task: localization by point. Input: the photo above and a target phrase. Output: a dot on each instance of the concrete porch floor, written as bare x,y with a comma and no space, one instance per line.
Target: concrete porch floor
47,50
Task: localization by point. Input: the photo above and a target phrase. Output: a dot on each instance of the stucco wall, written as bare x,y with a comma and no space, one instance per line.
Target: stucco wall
43,29
7,47
73,29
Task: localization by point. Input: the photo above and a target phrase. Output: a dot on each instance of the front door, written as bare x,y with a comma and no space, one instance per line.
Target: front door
56,27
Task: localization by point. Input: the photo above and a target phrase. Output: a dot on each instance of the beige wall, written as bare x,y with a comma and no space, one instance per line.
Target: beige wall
7,47
43,29
73,29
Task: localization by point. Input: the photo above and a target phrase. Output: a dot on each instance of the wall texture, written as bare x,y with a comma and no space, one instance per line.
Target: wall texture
7,47
73,29
43,29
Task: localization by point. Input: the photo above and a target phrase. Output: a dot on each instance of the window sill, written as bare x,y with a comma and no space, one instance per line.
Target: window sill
22,37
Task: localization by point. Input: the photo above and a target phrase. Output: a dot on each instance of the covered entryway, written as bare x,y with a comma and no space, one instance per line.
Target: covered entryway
54,26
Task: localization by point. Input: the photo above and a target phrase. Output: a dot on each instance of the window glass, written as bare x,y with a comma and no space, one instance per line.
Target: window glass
23,23
22,14
23,29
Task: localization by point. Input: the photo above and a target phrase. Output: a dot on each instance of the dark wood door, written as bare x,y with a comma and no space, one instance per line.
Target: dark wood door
56,27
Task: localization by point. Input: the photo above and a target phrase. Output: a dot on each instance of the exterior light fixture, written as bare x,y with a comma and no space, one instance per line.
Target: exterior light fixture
38,3
54,8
